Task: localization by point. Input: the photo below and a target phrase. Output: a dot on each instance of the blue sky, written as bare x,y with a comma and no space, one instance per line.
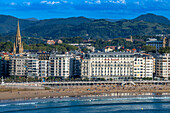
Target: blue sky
113,9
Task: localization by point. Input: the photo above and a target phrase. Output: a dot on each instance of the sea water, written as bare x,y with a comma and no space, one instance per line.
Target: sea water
89,105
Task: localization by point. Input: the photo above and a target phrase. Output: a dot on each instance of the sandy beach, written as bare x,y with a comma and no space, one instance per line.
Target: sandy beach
7,92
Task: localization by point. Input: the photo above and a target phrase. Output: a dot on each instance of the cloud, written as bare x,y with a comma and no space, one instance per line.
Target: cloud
64,1
137,2
118,1
105,1
98,2
13,3
50,2
27,3
89,2
86,7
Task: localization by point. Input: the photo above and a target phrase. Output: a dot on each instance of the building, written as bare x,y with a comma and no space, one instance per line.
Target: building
24,65
18,46
116,65
50,42
109,48
32,65
43,68
143,66
59,41
91,48
43,64
60,65
163,66
129,40
4,64
76,66
158,44
17,65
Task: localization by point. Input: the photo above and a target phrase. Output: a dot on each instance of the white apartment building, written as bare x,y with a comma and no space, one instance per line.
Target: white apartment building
17,66
43,68
163,66
32,65
60,65
43,64
114,65
143,66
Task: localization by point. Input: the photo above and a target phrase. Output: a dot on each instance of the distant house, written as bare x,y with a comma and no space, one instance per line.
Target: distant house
128,50
50,42
59,41
129,40
108,40
133,50
109,48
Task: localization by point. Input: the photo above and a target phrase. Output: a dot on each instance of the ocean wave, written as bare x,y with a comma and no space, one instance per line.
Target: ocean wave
3,105
110,100
86,106
29,103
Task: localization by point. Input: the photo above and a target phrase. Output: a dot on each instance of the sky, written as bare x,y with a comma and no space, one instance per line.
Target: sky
107,9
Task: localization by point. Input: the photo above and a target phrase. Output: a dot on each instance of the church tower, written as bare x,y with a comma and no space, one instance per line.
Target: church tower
18,46
164,42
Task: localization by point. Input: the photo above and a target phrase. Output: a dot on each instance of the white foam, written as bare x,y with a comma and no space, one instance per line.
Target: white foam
3,105
30,103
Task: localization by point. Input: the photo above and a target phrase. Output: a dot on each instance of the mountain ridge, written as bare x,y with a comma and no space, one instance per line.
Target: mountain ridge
84,27
149,17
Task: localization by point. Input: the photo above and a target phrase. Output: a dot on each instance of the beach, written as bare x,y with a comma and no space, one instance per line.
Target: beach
12,93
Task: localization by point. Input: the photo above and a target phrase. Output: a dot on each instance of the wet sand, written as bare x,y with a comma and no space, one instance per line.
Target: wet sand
7,93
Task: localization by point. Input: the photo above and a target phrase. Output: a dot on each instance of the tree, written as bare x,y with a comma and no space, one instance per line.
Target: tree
164,50
149,48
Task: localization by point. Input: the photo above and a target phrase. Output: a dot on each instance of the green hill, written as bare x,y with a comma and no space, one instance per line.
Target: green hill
153,18
9,23
97,29
84,27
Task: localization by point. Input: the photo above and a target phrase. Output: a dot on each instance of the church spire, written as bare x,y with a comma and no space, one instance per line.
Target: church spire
18,47
18,30
14,49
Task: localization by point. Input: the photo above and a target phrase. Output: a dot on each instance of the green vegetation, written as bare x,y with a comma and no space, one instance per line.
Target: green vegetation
97,29
149,49
153,18
99,44
10,23
83,27
164,50
8,47
72,40
85,50
46,47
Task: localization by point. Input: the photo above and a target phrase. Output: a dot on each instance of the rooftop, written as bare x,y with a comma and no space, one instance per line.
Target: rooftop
111,53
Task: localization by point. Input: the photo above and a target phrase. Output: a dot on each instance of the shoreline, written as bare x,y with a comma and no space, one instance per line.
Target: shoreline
26,93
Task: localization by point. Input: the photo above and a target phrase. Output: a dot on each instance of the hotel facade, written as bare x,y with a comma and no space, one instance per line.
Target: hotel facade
163,66
117,65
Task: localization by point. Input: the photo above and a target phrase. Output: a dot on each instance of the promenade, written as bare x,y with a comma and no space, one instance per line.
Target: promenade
89,83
